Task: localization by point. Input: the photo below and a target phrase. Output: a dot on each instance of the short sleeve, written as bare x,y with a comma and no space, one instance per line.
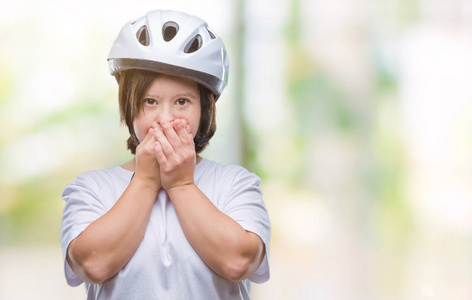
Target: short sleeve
245,205
81,209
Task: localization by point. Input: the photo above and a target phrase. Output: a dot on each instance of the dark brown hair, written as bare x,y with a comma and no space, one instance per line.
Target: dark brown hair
132,86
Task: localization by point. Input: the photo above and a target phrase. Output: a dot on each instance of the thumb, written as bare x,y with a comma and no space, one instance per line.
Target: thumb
148,136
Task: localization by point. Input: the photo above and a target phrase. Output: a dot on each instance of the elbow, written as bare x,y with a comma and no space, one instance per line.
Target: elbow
237,269
88,270
95,273
240,265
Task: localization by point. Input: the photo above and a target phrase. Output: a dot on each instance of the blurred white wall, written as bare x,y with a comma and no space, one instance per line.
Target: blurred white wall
333,238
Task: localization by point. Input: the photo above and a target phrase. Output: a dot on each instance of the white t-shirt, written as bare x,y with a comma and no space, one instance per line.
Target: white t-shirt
165,266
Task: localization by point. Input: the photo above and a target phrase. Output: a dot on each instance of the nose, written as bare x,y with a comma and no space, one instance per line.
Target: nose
165,114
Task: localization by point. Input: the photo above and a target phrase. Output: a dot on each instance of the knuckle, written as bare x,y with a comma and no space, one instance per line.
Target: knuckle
179,160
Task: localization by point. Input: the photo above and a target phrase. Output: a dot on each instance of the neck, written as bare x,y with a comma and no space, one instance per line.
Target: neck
130,165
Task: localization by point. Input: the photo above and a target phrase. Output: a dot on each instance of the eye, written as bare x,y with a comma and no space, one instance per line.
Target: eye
182,101
150,101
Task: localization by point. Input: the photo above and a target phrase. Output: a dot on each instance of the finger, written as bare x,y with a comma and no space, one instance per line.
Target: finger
143,145
148,136
170,133
159,153
182,122
165,145
184,132
177,122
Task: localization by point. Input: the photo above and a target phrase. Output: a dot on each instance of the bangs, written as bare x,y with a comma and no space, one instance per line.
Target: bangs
132,86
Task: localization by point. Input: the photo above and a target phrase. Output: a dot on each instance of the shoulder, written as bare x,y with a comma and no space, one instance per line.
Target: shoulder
228,173
224,183
97,188
96,180
92,177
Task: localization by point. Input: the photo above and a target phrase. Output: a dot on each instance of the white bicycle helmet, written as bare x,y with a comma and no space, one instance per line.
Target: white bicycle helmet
173,43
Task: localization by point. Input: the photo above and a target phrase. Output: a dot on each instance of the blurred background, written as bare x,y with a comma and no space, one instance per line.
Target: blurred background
357,115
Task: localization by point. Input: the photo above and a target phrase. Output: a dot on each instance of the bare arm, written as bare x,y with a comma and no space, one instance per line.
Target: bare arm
108,243
221,242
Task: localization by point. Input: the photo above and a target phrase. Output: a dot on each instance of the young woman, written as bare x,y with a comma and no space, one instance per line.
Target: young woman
168,224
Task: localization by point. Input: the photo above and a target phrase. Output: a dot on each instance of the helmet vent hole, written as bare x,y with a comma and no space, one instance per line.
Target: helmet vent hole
212,35
169,31
194,44
143,36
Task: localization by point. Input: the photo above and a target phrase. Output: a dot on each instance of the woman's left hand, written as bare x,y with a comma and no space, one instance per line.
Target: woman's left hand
175,153
222,243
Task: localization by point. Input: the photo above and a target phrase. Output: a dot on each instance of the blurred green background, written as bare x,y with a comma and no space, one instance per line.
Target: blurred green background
356,114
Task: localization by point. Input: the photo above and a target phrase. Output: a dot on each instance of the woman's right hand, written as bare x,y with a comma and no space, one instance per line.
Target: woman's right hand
147,167
109,242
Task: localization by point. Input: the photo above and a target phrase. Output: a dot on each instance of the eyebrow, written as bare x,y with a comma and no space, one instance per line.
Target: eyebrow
188,95
151,96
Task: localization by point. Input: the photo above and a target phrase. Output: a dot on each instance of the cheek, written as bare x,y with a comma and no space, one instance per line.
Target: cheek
194,124
141,128
193,119
194,128
136,130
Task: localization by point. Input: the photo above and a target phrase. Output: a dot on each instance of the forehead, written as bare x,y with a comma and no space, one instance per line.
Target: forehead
168,85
